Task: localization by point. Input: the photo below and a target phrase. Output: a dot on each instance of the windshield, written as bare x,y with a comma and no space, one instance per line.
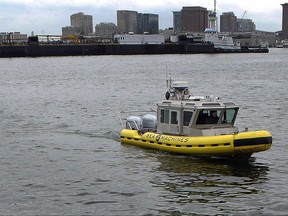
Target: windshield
208,117
229,115
212,116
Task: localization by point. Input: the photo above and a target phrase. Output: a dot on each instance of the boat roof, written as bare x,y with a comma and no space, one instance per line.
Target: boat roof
199,103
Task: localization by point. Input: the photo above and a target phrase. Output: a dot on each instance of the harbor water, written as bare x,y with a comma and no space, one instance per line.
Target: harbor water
60,152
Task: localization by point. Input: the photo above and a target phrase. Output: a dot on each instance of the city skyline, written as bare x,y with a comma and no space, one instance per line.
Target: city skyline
44,17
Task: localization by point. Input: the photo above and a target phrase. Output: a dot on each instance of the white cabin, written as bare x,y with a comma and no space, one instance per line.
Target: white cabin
139,38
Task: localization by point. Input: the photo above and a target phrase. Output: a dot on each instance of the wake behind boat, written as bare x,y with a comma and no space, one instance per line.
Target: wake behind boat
192,125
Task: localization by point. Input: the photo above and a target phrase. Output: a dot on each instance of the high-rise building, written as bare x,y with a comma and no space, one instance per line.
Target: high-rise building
194,19
177,21
84,22
228,22
140,23
150,24
127,21
285,22
245,25
106,30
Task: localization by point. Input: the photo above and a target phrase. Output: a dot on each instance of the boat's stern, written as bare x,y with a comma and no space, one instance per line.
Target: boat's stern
132,137
252,141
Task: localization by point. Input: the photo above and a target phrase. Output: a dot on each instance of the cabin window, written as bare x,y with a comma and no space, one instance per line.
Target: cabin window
174,117
164,116
208,117
229,116
187,115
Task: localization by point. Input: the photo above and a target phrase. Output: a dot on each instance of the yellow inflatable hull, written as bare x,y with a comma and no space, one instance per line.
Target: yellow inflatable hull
243,143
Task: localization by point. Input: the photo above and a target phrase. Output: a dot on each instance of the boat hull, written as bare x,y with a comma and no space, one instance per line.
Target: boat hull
240,144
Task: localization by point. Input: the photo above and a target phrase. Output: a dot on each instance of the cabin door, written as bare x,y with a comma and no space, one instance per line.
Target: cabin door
174,121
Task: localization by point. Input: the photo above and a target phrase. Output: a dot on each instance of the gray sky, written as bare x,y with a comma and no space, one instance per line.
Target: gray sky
49,16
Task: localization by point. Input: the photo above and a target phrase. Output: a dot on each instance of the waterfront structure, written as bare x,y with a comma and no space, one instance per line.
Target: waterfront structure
70,30
82,21
148,23
12,38
285,22
177,22
245,25
127,21
194,19
105,30
228,22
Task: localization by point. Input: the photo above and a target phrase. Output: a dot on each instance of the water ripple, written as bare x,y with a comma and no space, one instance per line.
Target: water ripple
60,151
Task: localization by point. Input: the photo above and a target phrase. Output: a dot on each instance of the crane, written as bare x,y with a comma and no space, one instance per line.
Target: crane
245,12
241,20
216,23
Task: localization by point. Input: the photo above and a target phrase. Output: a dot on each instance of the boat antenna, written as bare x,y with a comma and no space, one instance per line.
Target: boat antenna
167,82
168,79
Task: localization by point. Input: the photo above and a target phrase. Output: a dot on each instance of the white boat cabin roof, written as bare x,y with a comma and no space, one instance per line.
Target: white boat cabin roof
198,103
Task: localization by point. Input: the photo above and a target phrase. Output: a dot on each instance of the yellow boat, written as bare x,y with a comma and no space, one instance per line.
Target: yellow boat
198,126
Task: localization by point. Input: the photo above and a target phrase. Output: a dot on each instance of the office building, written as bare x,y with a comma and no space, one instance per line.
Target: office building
13,38
84,22
177,22
106,30
194,19
138,23
147,23
245,25
127,21
151,23
285,22
70,30
228,22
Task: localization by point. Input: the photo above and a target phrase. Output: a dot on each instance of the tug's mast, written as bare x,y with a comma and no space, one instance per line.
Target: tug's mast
213,18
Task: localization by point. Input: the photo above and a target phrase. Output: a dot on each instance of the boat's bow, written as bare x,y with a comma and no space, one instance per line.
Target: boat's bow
252,141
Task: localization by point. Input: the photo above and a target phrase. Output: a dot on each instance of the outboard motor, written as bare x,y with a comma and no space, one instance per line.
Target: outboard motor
134,123
149,121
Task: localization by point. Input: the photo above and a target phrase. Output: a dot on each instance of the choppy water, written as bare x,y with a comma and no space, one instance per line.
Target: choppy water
60,151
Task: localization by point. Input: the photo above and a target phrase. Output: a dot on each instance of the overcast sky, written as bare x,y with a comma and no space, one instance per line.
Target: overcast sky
49,16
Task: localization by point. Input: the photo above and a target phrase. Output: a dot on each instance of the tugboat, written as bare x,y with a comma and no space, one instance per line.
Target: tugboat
193,125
